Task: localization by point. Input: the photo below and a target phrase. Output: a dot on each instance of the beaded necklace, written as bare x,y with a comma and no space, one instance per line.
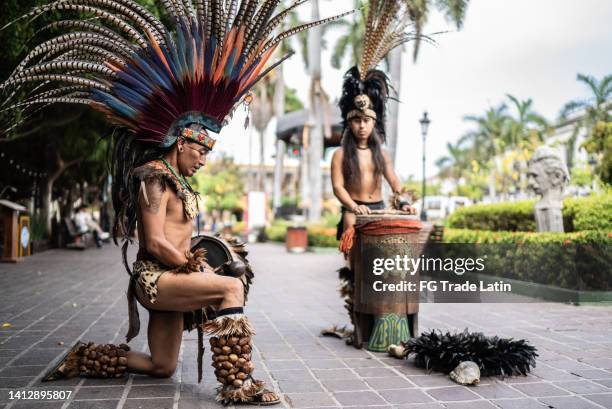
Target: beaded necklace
180,178
190,200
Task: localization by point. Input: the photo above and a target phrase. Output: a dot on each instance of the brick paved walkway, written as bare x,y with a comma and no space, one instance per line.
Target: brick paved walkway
57,297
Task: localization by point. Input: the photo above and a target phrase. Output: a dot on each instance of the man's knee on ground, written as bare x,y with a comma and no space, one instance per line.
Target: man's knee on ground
163,371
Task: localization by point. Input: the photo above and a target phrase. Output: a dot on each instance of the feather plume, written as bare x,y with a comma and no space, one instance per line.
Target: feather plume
144,76
495,356
386,23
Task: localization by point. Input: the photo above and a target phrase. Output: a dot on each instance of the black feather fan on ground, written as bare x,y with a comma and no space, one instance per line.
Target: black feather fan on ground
495,356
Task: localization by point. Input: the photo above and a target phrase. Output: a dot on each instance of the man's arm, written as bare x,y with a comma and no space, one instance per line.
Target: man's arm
338,182
153,202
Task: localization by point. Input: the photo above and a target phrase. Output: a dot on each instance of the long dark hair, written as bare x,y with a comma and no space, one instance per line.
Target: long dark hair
127,155
350,159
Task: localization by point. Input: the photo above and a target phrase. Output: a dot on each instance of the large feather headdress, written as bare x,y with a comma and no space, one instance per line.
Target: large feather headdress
365,89
152,79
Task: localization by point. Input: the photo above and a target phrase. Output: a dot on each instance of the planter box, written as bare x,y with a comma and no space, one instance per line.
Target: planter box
296,239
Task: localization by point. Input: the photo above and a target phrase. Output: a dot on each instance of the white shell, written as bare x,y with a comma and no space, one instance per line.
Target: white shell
466,373
396,351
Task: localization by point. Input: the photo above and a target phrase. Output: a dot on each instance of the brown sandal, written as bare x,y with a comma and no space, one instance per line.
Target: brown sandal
69,365
258,398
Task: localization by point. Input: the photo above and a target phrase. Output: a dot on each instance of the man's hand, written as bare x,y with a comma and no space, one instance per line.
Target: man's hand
362,209
408,209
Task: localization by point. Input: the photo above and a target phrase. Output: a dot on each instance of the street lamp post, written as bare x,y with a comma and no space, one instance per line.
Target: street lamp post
424,121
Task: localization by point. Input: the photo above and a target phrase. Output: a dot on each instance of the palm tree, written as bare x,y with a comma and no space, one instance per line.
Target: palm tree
453,164
526,130
597,108
487,141
352,41
528,127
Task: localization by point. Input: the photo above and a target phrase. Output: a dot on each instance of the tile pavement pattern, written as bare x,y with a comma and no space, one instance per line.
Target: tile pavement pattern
55,298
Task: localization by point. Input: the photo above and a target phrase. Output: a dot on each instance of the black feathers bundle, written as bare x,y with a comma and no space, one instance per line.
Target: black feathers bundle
495,356
375,85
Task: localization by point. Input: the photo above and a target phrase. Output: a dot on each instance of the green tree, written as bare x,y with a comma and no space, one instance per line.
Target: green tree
351,42
63,143
526,128
599,144
595,109
487,140
221,185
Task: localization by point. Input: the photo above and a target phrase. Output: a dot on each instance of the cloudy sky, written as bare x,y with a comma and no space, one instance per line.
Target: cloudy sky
527,48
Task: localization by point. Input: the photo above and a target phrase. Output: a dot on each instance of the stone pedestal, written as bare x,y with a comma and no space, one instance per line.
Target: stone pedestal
549,217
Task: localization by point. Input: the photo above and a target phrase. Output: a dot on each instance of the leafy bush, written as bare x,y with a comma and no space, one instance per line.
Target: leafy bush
578,261
517,216
277,231
579,214
318,235
588,213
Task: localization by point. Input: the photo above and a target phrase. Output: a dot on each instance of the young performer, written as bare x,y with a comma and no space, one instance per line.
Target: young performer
361,162
359,165
165,91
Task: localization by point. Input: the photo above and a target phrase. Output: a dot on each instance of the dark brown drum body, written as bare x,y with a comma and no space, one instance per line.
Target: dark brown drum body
370,304
227,256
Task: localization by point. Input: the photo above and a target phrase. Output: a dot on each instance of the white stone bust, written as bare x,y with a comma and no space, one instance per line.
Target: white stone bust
547,177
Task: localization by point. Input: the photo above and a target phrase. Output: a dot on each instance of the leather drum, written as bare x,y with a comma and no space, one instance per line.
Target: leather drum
385,242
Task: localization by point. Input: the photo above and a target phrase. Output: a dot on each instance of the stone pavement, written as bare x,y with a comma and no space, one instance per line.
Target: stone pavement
55,298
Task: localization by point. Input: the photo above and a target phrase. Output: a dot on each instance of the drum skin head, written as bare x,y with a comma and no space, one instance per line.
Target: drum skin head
217,252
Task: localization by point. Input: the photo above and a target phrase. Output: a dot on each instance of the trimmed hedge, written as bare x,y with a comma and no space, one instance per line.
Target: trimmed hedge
514,237
576,261
318,236
579,214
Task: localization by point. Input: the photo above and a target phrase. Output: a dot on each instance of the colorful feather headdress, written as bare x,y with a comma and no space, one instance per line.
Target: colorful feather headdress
147,78
365,89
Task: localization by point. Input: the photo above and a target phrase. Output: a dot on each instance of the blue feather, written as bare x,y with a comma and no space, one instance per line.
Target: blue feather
152,74
180,49
138,85
114,104
210,54
236,70
128,95
230,63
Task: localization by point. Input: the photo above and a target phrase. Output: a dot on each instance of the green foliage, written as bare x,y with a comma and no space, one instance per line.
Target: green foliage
292,101
579,260
589,213
330,219
318,235
579,214
517,216
599,144
220,185
518,237
581,176
321,236
416,186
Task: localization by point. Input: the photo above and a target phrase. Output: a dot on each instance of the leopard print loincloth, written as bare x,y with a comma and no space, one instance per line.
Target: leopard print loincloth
146,273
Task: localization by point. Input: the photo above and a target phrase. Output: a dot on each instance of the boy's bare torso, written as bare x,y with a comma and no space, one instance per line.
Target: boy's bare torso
368,189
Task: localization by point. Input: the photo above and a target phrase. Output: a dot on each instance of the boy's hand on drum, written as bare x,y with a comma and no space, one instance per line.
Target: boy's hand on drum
408,209
362,209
